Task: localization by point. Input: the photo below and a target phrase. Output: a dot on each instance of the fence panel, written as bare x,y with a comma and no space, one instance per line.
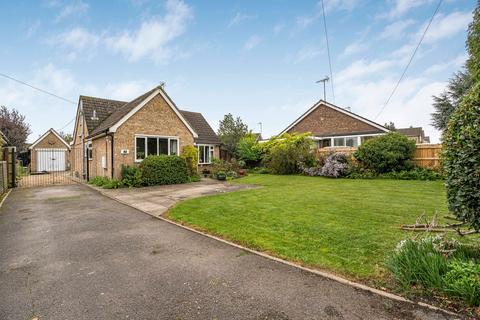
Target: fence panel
427,156
3,177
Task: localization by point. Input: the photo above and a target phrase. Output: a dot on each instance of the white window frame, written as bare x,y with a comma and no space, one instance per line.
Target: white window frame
211,152
359,139
145,136
88,150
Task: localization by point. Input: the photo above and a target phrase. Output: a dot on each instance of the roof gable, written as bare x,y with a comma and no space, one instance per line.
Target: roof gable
324,104
43,136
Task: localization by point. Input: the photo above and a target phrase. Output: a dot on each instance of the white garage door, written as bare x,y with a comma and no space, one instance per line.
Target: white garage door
51,160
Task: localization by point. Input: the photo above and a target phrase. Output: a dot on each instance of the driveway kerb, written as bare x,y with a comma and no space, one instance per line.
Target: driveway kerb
264,255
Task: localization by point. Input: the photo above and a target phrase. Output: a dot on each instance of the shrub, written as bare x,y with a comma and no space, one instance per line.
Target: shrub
385,153
158,170
131,176
112,184
194,178
414,174
359,172
463,281
99,181
221,175
285,154
461,159
438,265
336,165
248,149
190,155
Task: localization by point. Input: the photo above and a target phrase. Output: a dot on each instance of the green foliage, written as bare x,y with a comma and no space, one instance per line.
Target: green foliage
463,281
445,103
233,167
473,45
194,178
99,181
248,149
385,153
14,127
461,159
221,175
414,174
190,155
131,176
159,170
112,184
285,154
230,131
438,265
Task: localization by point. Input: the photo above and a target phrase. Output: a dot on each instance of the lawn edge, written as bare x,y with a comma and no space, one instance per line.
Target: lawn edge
324,274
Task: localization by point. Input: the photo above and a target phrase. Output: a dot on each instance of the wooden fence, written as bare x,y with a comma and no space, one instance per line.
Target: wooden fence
426,155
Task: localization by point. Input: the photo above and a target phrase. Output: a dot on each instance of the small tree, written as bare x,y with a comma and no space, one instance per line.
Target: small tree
14,127
230,131
390,126
390,152
190,155
68,137
248,149
461,159
445,103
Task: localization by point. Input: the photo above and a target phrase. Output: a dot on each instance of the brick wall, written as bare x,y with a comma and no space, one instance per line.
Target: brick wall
325,121
156,118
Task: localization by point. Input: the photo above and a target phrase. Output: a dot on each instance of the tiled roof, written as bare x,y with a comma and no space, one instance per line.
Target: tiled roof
119,113
201,127
412,131
103,108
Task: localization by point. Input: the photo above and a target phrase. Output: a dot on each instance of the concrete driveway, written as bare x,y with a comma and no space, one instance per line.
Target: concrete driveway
70,253
157,200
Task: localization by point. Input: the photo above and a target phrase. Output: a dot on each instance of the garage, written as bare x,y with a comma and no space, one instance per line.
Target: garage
49,153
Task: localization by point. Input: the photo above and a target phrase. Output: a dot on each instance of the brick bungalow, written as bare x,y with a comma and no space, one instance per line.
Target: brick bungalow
335,127
110,134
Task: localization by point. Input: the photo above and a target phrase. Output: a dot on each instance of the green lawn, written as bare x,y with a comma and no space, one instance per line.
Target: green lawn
341,225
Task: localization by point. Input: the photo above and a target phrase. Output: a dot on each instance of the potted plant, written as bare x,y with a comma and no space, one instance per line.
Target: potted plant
221,176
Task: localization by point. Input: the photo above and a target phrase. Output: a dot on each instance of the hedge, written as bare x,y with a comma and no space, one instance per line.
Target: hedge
157,170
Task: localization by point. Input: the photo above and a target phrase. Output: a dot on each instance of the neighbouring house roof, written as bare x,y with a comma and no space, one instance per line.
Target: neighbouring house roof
336,108
412,131
112,113
43,136
201,126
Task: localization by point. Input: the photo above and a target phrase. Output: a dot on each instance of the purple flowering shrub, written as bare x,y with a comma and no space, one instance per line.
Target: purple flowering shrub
336,165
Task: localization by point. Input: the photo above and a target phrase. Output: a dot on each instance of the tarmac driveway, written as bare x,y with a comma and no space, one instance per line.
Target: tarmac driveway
68,252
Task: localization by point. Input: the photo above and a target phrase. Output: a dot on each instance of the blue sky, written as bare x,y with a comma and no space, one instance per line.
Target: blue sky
255,59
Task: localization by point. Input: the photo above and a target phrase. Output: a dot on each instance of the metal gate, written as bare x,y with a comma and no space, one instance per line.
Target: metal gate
45,167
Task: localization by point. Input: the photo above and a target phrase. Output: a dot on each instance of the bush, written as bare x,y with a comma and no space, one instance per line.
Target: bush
131,176
359,172
190,155
99,181
386,153
336,165
461,159
285,154
158,170
248,149
414,174
438,265
194,178
112,184
463,281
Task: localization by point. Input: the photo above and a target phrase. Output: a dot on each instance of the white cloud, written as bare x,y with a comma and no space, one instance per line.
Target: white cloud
305,21
307,53
77,38
278,28
401,7
396,30
446,26
456,63
354,48
239,18
362,68
252,42
75,8
33,28
155,35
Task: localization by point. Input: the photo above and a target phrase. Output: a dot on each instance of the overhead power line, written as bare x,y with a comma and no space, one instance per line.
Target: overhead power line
411,58
43,91
328,50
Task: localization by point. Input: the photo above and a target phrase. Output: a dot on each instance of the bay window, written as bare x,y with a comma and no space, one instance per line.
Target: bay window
205,153
154,145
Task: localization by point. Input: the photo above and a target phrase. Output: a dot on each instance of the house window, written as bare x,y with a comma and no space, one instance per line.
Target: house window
89,150
351,142
154,145
339,142
205,154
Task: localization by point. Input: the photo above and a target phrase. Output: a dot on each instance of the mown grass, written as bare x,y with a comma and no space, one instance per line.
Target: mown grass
341,225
